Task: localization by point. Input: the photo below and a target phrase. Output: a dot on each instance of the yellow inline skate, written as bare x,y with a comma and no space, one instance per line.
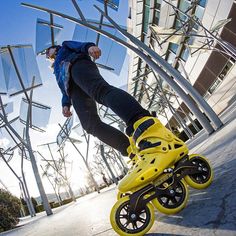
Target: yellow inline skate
158,179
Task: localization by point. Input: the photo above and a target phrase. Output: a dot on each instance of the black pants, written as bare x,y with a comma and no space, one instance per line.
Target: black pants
88,86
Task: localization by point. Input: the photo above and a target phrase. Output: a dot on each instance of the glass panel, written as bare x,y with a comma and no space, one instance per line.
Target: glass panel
62,135
27,65
173,47
178,24
184,5
8,108
185,54
40,113
202,3
158,4
214,85
147,2
199,12
171,57
43,35
3,88
5,139
109,47
207,95
156,17
146,18
226,69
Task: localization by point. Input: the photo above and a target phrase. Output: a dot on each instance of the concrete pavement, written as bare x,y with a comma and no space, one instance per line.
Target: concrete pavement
208,212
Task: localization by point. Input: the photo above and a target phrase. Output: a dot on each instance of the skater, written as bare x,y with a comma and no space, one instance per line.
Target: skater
81,85
163,168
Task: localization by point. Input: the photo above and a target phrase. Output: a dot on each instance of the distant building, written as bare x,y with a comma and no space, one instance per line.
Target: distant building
212,73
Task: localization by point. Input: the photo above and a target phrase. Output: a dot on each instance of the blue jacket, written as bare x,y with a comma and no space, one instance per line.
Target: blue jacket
63,54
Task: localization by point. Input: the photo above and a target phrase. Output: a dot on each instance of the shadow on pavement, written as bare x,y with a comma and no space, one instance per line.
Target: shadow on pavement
211,208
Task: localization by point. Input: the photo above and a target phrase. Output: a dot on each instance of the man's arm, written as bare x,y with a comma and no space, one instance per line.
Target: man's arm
78,46
87,47
65,102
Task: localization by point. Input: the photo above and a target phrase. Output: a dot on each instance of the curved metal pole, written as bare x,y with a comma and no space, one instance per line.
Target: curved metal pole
202,119
181,80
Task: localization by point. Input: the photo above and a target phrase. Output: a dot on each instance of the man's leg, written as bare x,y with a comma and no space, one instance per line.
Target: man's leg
86,110
86,75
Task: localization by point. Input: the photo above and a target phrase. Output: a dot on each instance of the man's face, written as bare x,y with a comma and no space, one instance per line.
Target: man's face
51,53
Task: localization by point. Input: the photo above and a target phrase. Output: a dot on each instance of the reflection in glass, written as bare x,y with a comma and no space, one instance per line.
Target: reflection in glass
40,114
26,64
8,108
5,139
43,35
65,131
109,48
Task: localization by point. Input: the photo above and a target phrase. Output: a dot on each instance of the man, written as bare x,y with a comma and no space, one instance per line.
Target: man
82,84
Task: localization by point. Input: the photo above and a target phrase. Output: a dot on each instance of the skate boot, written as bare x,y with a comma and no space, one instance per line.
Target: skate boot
132,154
159,178
133,160
158,149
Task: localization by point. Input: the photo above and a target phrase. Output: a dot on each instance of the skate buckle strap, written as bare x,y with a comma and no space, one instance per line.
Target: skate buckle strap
141,128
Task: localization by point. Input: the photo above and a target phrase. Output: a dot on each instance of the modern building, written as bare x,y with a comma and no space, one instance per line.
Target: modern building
175,30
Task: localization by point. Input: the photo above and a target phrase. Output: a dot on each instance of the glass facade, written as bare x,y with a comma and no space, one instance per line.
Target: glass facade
186,6
220,78
157,8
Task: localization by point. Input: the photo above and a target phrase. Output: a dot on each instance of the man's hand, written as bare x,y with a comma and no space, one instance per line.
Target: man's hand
66,111
94,52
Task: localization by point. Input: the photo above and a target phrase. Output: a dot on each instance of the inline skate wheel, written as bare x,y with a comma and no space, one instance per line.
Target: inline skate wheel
200,180
175,200
126,224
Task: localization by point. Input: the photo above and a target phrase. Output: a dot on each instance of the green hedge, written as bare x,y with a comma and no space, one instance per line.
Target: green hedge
40,208
9,210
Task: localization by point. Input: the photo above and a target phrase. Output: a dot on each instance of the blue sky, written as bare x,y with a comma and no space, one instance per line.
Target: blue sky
18,26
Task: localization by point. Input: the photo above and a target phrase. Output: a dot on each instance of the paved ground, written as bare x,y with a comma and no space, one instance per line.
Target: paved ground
209,212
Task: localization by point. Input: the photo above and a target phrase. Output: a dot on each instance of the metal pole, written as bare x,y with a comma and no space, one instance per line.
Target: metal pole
25,185
34,165
86,164
52,29
109,168
78,10
17,72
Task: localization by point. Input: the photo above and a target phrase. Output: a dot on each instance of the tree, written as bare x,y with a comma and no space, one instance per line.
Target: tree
10,210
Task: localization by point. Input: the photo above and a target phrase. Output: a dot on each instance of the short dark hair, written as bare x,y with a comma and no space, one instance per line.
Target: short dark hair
53,46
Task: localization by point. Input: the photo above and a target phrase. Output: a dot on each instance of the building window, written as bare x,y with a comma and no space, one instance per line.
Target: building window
146,16
171,54
157,8
173,47
214,85
220,77
184,54
192,8
226,69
